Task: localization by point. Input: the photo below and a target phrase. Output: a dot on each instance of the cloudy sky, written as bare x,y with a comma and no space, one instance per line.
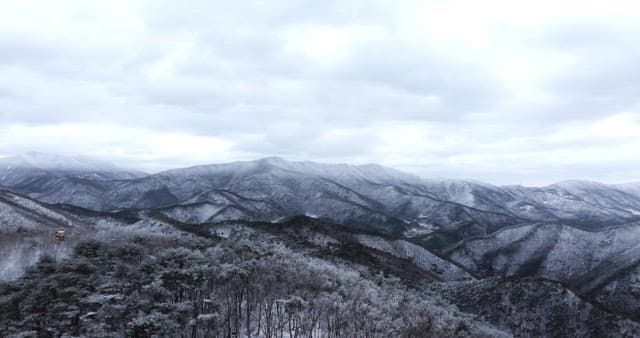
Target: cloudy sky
500,91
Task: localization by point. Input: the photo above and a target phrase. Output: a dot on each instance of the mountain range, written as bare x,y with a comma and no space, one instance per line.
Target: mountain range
473,243
438,213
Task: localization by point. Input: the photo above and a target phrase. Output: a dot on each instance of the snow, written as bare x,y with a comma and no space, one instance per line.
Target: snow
20,252
194,214
582,258
417,254
422,229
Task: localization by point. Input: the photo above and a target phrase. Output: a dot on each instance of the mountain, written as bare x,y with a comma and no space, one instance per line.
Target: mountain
79,166
435,213
268,189
425,245
438,212
592,263
60,179
28,226
142,267
632,188
581,202
392,254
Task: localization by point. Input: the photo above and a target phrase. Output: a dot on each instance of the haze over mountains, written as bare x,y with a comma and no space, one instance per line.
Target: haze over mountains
575,242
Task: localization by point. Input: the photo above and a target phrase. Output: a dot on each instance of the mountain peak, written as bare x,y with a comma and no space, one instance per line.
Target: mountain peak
273,160
577,184
46,161
339,171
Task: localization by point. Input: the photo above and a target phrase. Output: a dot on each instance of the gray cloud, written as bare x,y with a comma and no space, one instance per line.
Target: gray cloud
520,95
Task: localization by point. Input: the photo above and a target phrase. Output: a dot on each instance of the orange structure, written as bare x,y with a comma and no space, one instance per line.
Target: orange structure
60,235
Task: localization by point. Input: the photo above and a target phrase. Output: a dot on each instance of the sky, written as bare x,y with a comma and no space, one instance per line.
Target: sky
506,92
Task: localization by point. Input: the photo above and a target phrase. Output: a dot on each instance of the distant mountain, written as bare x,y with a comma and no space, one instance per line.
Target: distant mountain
436,213
581,202
60,179
13,168
362,196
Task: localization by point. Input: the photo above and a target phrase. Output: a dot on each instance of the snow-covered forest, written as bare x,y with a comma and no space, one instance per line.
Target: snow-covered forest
218,288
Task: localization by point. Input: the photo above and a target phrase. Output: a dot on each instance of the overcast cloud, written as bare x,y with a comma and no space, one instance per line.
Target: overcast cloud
499,91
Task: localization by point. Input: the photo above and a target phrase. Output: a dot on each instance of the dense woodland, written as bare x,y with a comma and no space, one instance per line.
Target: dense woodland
216,288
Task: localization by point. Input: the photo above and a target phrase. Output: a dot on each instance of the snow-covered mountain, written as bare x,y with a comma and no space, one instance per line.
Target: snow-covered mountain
582,202
60,179
362,196
594,263
631,187
436,213
535,278
15,168
370,196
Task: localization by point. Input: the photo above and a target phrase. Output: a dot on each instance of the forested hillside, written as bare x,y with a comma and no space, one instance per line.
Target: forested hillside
219,288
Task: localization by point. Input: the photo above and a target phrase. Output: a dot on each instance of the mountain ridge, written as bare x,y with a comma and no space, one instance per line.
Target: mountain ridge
64,162
439,212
